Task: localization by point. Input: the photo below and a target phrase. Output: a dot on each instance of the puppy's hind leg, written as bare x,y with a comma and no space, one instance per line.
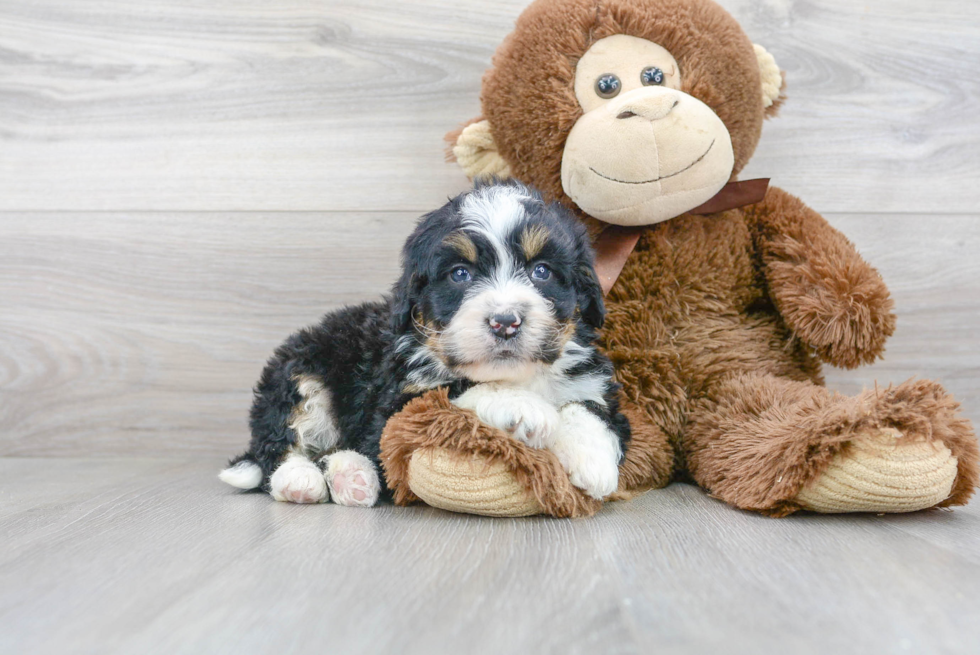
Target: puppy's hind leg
292,421
298,480
352,478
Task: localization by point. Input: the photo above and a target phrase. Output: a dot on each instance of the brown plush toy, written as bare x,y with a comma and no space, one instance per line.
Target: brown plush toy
639,114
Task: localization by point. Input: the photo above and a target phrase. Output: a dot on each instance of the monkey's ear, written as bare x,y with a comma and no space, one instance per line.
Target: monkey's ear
474,149
773,80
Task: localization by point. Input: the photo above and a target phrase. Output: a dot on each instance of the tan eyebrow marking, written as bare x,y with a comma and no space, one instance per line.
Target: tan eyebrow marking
463,245
533,240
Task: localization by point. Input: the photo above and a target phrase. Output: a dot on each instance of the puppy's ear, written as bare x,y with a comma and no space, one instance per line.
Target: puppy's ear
589,293
404,295
417,260
588,290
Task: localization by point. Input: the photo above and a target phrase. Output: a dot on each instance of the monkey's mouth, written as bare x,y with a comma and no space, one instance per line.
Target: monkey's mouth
662,177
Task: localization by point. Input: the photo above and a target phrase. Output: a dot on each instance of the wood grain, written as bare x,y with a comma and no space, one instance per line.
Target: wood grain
341,105
157,556
143,333
149,330
183,184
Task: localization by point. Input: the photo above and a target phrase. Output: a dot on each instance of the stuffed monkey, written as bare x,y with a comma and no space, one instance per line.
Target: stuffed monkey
723,298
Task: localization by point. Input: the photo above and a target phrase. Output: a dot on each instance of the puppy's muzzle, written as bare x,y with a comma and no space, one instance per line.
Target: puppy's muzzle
505,326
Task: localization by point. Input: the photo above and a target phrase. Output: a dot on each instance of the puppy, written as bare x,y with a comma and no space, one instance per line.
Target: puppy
497,301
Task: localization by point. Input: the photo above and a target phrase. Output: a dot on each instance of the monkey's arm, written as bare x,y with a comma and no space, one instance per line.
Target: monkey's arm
444,455
829,297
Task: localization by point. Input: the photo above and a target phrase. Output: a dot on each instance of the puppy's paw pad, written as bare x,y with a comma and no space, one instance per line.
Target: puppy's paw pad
298,480
352,479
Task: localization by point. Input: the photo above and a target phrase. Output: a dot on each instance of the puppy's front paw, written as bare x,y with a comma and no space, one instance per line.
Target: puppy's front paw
530,422
589,471
352,479
298,480
588,451
525,415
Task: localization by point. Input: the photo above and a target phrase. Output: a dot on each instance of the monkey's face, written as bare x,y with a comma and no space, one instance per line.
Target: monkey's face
643,151
633,111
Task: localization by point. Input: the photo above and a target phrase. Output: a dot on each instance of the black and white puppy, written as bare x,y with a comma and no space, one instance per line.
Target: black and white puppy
497,301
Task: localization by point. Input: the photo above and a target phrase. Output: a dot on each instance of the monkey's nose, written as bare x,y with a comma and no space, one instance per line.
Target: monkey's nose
651,107
505,326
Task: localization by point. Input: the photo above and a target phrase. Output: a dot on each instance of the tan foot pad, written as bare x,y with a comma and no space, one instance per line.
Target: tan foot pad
444,480
883,473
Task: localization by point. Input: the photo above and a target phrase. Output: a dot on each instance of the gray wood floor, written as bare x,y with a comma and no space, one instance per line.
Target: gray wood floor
182,184
156,556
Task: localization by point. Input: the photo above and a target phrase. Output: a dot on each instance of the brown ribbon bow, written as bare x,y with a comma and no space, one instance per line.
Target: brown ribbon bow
615,243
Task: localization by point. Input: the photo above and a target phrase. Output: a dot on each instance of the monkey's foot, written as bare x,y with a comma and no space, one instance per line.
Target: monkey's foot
883,472
471,484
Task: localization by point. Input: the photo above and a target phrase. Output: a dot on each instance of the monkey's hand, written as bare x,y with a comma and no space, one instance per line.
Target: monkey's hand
830,298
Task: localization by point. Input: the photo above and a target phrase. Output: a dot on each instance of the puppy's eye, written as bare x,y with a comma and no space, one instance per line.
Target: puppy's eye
541,273
460,274
652,76
607,86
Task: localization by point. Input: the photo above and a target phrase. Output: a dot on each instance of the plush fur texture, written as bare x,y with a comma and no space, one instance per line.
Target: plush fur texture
528,95
761,437
497,300
433,422
718,325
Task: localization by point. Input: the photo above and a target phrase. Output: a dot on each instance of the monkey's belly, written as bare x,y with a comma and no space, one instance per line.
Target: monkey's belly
666,366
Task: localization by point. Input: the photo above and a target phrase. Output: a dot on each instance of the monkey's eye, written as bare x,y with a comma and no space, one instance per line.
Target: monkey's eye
607,86
541,273
652,76
460,274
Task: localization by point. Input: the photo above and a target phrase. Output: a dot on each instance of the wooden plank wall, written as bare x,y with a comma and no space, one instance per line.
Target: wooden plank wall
182,184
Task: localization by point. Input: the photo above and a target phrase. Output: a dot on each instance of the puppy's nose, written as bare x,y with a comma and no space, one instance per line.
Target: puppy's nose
505,326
